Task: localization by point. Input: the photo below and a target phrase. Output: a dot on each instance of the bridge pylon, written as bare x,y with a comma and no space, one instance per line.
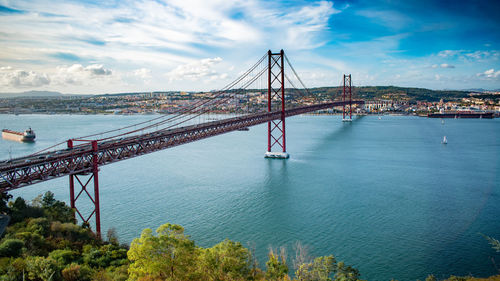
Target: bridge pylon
276,135
347,94
93,175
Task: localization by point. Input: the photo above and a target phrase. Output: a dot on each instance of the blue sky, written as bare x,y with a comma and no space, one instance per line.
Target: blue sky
93,47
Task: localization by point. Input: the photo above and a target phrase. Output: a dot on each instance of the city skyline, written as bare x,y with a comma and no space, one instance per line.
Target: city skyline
82,47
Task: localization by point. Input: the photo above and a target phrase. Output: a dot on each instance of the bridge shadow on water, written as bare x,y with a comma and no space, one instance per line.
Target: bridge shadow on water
338,134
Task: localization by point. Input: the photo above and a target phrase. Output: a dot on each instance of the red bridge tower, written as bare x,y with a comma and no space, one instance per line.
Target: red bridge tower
347,93
79,176
276,91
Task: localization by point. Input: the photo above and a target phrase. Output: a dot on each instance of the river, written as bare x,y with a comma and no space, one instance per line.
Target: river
383,195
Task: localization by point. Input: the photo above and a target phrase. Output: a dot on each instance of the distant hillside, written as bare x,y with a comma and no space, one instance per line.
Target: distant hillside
394,92
416,94
31,94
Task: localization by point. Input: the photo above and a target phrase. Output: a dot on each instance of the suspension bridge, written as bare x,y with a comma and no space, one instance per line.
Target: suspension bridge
81,157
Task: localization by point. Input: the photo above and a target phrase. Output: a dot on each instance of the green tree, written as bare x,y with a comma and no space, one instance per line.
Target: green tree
168,255
56,210
112,236
63,257
76,272
40,268
11,248
4,199
104,256
34,243
12,268
276,267
346,273
39,226
495,244
321,269
227,260
19,211
431,278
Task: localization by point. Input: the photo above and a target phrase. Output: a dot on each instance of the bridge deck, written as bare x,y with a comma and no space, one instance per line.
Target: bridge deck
19,172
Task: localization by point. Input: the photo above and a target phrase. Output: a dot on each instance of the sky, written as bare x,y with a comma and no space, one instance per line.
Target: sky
114,46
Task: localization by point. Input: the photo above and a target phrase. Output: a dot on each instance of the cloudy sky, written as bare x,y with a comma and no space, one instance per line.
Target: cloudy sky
93,47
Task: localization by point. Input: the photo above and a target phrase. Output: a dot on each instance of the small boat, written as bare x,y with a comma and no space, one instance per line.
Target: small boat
445,141
27,136
244,129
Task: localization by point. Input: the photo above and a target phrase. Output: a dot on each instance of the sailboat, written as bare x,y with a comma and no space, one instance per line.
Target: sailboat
445,141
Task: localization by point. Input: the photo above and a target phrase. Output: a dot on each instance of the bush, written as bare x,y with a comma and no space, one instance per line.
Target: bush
11,248
20,211
76,272
40,226
35,244
40,268
63,257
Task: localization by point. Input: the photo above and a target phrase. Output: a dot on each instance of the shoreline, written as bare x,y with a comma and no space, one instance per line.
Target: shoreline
495,114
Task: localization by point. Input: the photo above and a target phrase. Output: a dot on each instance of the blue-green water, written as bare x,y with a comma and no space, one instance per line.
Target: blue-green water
383,195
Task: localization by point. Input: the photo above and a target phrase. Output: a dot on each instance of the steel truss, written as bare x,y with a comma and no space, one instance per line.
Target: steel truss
276,134
346,93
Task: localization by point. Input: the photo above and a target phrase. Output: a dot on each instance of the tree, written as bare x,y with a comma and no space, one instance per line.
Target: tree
63,257
34,243
4,199
104,256
40,268
19,211
276,267
76,272
11,248
39,226
57,210
112,236
168,255
227,260
431,278
495,244
346,273
320,269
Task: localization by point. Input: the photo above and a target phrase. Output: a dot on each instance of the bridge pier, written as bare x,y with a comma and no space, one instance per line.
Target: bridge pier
83,184
276,134
347,93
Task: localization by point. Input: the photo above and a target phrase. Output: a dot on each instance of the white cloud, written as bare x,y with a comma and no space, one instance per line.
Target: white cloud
449,53
77,74
443,65
160,34
479,55
489,74
16,78
195,70
142,73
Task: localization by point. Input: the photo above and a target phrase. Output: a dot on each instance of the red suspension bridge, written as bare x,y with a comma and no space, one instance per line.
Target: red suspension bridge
82,156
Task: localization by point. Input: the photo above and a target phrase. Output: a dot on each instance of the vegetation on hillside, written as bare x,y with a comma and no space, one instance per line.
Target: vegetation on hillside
42,242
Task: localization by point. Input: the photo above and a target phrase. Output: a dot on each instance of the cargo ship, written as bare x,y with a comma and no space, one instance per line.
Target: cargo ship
462,114
27,136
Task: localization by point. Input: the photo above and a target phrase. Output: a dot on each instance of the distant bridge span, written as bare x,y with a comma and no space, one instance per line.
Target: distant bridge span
25,171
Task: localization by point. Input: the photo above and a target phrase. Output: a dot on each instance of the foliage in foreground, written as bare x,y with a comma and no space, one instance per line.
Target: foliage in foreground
42,242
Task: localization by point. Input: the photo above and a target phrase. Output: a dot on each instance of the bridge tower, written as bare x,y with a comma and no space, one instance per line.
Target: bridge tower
346,93
83,184
276,92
